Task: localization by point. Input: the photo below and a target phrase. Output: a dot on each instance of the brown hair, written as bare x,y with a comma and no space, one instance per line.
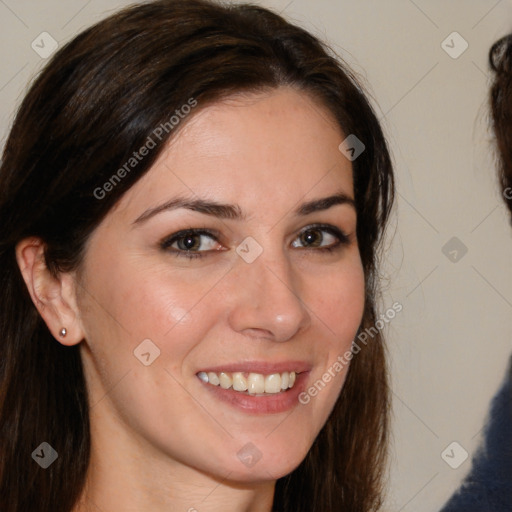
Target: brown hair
500,60
96,102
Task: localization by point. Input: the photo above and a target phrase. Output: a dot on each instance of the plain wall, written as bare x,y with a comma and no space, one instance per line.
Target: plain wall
450,344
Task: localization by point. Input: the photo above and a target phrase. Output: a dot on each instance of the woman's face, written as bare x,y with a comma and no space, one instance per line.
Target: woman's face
236,254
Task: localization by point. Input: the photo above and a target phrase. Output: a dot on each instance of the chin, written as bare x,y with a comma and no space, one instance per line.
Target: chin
271,463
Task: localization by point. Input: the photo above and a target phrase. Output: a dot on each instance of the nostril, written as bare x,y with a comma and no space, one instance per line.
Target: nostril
256,332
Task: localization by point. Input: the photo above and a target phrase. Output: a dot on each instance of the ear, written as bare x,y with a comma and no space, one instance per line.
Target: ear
54,297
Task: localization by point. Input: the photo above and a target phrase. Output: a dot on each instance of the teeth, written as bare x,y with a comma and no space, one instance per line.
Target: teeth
239,382
252,383
256,384
273,383
285,380
213,378
224,380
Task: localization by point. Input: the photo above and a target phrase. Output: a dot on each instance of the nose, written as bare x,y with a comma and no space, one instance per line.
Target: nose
265,300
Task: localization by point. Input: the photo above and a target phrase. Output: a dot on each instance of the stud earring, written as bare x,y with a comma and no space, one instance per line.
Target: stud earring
63,332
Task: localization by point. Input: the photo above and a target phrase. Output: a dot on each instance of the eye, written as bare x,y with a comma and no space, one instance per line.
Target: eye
191,243
321,237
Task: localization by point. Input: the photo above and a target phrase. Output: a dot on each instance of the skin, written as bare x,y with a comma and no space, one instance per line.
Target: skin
160,441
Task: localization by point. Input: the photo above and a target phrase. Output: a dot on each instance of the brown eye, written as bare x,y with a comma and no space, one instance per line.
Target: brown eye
312,237
191,243
321,237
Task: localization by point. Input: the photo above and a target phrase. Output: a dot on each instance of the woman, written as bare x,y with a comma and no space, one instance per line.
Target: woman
192,198
488,486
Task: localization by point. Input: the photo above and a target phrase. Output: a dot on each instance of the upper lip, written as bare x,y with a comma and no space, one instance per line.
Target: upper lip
263,367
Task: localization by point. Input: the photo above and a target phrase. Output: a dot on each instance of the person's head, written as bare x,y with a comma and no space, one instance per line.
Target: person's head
175,194
500,60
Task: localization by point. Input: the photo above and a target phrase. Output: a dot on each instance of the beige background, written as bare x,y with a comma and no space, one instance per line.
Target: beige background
449,346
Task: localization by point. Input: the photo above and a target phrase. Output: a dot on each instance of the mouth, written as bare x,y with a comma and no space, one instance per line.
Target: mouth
257,387
256,384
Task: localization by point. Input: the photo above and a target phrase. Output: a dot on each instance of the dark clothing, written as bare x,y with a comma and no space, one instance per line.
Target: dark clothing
488,487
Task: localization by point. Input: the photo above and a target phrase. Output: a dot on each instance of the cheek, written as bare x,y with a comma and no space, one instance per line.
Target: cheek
142,301
339,304
338,301
130,310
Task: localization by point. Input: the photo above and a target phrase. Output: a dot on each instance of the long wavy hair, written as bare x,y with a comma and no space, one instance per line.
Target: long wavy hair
96,102
500,98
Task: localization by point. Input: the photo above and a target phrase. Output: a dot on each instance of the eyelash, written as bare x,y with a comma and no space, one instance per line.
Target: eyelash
343,240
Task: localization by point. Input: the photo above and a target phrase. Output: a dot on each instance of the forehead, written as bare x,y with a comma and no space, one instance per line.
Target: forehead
273,148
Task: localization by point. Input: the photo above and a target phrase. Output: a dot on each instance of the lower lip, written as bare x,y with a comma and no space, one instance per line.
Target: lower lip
268,404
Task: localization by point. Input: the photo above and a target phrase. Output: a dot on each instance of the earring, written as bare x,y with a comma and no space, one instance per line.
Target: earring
63,332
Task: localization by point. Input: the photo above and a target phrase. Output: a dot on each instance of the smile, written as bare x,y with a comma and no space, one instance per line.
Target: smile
250,383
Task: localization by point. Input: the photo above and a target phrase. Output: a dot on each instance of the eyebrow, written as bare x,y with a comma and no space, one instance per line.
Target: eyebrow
234,212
